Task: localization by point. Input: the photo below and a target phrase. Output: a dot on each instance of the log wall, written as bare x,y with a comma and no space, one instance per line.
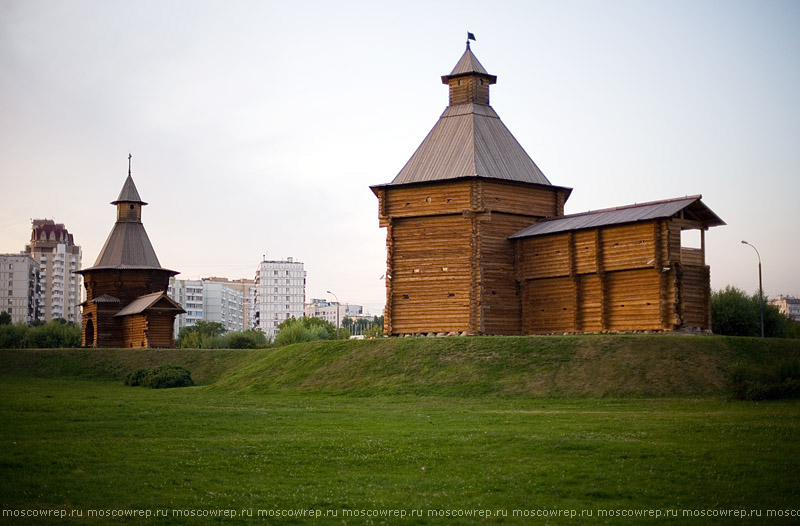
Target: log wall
134,331
431,274
622,278
450,263
125,285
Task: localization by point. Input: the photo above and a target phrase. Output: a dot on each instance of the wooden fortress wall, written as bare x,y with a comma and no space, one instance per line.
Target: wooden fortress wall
621,278
450,264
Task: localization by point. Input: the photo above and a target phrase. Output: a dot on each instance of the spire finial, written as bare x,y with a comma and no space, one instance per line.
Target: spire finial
129,164
470,36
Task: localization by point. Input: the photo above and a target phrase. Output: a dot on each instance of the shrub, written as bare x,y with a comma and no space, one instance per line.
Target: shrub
161,377
304,330
12,336
135,378
245,340
776,382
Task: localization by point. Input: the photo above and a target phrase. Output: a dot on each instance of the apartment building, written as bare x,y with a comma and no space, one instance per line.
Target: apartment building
788,305
19,287
280,294
209,299
332,311
59,259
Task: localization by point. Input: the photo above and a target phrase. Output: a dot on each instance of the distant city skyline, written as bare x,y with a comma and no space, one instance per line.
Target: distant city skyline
257,127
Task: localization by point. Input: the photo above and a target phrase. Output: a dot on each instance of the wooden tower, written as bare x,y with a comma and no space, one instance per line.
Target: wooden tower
449,214
126,288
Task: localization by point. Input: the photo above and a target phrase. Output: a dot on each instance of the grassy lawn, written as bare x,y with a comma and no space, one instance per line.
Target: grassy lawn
76,444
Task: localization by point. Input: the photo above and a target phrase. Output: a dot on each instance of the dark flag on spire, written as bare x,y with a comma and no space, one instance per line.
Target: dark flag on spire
470,36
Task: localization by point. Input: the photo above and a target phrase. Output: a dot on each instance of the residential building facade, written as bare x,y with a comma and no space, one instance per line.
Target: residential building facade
208,299
332,311
59,258
788,305
280,294
19,287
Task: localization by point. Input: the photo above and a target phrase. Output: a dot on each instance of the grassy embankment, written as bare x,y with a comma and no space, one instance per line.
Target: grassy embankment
504,424
556,366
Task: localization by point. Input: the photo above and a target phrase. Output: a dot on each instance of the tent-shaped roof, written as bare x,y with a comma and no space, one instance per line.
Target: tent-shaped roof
468,64
128,194
155,301
470,140
127,246
692,205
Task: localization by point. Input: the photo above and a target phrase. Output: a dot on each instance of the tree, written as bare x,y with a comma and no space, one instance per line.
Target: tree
200,335
734,313
5,318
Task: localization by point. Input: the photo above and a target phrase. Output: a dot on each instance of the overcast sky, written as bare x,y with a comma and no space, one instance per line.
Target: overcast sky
257,127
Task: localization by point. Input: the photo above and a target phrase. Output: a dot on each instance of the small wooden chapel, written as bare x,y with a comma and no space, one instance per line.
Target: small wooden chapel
477,241
126,288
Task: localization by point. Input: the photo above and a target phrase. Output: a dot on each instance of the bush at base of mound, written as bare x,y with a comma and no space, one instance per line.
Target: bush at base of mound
758,382
161,377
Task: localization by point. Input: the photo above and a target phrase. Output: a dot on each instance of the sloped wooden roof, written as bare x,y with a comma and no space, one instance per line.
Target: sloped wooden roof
103,298
156,300
129,193
469,140
665,209
468,64
127,246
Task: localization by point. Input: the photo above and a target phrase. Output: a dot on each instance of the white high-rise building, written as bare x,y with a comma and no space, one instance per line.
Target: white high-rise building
59,258
280,294
210,299
19,287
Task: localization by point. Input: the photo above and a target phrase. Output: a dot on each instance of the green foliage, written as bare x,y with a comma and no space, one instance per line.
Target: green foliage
250,339
376,331
734,313
5,318
762,382
53,334
12,336
368,328
201,335
208,336
161,377
297,330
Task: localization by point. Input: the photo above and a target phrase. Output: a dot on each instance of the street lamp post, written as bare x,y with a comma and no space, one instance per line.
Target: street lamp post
337,313
760,288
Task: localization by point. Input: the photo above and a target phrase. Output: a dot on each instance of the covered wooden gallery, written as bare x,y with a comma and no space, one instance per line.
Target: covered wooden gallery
126,288
477,241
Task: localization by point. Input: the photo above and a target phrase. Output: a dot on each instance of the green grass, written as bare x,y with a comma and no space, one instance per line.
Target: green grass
436,425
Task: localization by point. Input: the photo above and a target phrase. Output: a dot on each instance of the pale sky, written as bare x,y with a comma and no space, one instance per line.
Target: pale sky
258,126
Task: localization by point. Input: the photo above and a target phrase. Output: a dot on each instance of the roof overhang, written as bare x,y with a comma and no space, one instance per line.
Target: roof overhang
691,206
